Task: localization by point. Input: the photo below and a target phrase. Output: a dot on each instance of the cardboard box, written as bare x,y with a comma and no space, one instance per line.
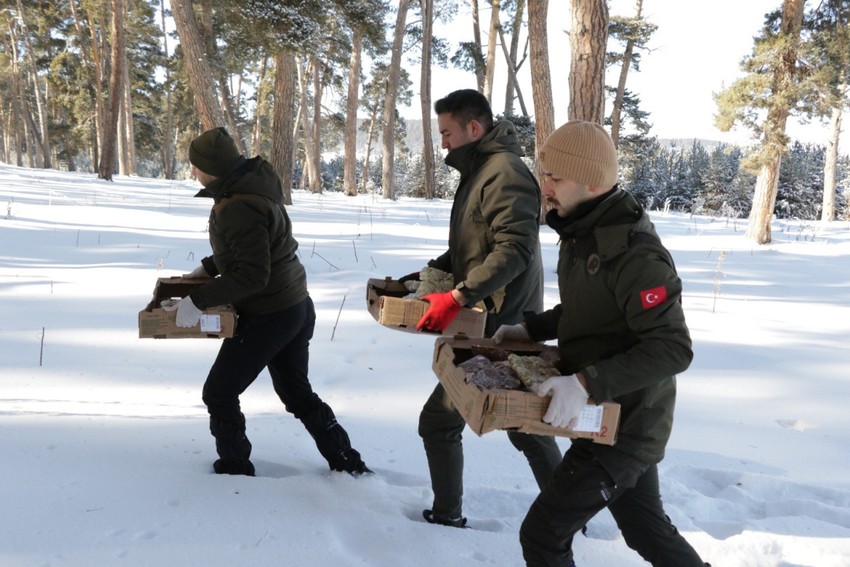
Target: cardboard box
386,301
485,410
157,323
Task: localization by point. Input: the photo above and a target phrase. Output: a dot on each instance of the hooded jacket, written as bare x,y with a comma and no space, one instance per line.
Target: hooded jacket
254,252
620,321
494,230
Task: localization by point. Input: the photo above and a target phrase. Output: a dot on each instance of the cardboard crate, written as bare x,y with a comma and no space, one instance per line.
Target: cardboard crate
157,323
485,410
386,301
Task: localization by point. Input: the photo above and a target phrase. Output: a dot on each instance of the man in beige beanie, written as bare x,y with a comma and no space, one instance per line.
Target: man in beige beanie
622,337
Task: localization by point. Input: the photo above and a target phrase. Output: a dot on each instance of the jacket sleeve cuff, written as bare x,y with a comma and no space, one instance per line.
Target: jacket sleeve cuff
535,324
209,266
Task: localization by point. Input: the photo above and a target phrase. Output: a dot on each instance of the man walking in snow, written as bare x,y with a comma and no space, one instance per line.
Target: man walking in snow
494,258
254,266
621,336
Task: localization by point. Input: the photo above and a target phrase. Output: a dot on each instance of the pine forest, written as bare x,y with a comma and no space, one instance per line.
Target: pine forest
316,87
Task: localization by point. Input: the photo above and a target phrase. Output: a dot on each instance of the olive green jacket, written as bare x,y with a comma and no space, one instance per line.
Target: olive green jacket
254,252
620,321
494,231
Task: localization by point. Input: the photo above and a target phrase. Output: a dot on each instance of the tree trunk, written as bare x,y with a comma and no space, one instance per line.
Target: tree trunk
509,108
541,79
394,72
369,137
588,40
16,125
476,34
495,26
127,135
296,128
229,113
29,125
8,139
352,102
282,137
116,80
628,54
42,138
25,121
168,129
774,140
261,108
511,56
830,166
316,155
99,110
312,174
15,122
430,182
541,84
222,79
197,64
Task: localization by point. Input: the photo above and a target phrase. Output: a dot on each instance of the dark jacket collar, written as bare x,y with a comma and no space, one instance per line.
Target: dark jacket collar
249,176
502,138
217,187
614,207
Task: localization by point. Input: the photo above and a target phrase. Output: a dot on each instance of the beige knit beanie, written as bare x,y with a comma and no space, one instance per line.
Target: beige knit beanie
582,152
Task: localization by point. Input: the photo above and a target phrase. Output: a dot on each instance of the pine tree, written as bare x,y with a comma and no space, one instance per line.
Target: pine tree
801,182
770,85
634,33
638,157
828,81
718,178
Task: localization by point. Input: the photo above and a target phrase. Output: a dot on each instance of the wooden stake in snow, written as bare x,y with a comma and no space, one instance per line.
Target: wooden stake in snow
41,349
337,316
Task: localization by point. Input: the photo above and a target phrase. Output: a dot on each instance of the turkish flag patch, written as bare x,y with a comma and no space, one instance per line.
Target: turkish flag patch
654,297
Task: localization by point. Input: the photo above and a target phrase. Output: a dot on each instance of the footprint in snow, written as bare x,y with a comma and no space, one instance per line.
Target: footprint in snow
794,424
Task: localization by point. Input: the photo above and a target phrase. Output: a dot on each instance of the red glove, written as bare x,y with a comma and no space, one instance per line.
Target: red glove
441,312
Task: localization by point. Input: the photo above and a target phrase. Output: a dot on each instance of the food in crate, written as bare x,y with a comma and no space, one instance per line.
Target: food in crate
493,368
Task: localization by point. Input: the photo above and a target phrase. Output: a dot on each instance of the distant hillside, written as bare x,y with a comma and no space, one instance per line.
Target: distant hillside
413,139
688,142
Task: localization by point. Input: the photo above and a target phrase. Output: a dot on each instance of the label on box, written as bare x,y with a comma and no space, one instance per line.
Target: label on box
590,419
210,323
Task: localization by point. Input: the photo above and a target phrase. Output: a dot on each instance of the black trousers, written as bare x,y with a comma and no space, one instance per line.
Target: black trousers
441,428
279,341
582,486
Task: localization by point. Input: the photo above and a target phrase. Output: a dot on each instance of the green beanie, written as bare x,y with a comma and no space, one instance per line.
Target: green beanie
214,152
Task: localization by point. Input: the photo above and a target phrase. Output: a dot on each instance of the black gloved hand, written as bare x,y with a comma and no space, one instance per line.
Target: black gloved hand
412,276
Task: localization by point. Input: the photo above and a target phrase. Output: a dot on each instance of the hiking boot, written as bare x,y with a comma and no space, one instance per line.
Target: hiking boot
233,466
443,520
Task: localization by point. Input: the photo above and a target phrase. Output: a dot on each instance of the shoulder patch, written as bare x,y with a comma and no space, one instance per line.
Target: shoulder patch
654,297
593,264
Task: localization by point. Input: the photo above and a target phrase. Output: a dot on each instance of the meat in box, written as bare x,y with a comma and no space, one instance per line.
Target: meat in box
386,301
488,409
157,323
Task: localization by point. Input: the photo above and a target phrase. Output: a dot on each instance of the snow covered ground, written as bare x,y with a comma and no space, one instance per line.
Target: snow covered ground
106,454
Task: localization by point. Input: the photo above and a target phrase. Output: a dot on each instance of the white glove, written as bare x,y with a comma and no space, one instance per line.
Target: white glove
198,272
187,314
568,400
516,332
